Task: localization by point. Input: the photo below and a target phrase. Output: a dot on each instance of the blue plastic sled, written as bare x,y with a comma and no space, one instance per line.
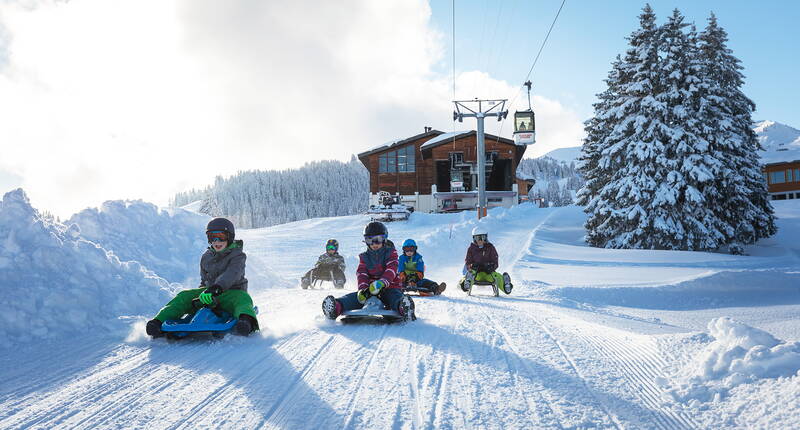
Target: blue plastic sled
204,321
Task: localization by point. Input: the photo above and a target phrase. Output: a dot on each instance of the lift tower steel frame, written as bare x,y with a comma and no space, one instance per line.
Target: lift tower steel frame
495,108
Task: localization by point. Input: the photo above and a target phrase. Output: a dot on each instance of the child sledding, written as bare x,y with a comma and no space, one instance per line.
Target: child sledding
330,267
380,292
412,272
221,303
480,266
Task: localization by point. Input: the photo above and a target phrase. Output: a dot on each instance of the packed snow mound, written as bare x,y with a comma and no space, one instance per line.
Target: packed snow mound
168,242
55,284
738,354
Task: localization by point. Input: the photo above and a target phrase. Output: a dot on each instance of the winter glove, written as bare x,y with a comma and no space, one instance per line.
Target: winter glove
207,296
412,278
376,286
362,295
478,267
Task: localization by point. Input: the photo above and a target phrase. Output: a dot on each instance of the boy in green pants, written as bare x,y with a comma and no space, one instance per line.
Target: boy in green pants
221,277
480,263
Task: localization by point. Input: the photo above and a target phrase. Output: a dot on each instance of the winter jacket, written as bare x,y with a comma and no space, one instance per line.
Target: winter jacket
224,268
331,260
380,264
486,256
412,265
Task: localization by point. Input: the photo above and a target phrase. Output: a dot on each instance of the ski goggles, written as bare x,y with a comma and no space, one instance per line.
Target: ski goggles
217,236
372,240
478,237
409,249
331,247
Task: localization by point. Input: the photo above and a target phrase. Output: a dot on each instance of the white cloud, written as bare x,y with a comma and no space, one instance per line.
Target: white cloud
140,99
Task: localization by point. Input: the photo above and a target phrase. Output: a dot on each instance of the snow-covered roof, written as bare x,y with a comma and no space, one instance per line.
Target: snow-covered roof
398,142
443,137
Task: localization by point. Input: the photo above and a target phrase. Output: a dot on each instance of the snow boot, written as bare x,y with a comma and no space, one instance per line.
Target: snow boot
466,283
305,283
406,308
439,289
507,285
331,307
153,328
244,326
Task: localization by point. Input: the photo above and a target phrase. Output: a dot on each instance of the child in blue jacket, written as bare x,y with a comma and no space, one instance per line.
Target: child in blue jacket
411,270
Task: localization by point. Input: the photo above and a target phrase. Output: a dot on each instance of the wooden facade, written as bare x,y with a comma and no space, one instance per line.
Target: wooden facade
783,180
433,163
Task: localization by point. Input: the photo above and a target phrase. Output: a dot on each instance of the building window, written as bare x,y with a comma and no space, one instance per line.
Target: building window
797,175
766,176
401,160
789,175
777,177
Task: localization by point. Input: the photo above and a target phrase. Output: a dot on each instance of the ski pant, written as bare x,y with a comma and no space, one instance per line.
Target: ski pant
235,302
389,296
324,273
427,285
488,277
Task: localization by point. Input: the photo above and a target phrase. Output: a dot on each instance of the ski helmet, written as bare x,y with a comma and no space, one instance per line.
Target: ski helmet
409,243
480,232
375,228
332,243
221,224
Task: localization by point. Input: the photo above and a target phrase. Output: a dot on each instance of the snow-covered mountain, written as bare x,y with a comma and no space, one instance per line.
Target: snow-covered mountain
780,141
567,155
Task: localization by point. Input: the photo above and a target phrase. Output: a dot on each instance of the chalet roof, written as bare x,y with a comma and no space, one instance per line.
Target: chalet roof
447,137
399,142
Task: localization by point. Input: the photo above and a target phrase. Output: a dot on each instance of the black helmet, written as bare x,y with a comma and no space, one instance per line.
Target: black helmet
222,224
332,242
375,228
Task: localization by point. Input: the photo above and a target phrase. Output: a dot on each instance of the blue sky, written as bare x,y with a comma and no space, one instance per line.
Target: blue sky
502,38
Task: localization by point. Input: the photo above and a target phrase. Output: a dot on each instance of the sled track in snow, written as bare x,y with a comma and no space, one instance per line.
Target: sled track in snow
511,344
640,369
360,382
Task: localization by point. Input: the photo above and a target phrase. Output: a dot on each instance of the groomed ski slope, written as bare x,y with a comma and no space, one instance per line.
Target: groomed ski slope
589,338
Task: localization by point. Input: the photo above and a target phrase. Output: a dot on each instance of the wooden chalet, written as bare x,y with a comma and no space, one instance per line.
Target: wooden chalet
783,180
436,171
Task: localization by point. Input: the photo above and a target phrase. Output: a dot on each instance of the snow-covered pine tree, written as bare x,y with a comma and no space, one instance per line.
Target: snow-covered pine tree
745,203
632,153
681,211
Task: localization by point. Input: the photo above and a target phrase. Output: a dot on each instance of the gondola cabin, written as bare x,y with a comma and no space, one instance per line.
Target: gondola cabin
525,128
438,172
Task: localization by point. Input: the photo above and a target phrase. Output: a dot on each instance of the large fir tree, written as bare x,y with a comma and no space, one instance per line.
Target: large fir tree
669,157
745,202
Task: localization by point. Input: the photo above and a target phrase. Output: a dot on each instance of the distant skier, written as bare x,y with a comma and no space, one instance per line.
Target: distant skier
221,278
329,264
377,276
412,272
481,262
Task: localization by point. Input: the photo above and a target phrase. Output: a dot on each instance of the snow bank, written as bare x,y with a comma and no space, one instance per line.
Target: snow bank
169,243
738,354
54,283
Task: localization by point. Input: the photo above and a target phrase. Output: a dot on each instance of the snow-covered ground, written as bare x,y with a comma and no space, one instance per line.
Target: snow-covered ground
590,338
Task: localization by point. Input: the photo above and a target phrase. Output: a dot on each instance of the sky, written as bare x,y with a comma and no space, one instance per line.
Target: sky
105,100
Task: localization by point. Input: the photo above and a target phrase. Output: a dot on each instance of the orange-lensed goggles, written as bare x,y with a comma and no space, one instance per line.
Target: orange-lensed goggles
217,236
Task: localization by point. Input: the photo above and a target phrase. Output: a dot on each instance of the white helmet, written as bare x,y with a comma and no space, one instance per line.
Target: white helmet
480,231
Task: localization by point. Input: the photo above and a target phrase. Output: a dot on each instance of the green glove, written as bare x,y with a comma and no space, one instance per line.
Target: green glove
376,286
362,296
207,296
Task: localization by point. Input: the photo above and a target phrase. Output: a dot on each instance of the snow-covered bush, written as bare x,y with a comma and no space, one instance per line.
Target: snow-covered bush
738,354
167,242
53,283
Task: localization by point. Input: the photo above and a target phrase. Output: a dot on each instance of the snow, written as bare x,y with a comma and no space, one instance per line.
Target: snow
442,138
567,155
590,337
780,142
167,242
56,284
